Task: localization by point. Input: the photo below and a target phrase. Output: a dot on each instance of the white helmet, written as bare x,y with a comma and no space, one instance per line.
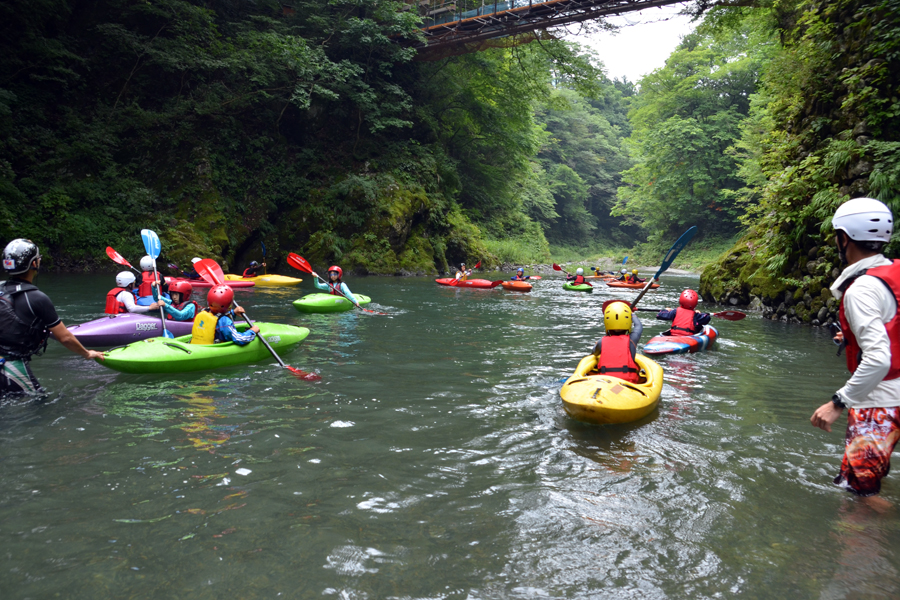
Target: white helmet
624,271
195,259
124,279
579,271
864,220
147,263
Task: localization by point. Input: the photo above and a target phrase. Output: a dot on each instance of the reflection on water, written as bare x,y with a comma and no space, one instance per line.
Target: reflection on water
434,460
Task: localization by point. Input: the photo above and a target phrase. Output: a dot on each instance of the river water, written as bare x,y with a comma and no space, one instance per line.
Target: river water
434,460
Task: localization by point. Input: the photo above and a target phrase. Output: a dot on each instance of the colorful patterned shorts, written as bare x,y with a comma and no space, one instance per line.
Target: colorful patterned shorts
872,434
16,378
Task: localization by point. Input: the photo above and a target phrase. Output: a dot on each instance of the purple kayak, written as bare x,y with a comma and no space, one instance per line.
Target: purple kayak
115,330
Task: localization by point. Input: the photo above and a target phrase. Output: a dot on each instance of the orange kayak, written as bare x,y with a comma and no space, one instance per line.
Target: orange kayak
630,286
516,286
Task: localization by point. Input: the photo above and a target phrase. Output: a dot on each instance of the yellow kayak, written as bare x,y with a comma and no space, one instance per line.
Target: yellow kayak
267,280
593,398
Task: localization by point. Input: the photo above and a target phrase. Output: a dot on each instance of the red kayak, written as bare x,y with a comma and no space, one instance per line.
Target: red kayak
630,286
199,283
471,283
516,286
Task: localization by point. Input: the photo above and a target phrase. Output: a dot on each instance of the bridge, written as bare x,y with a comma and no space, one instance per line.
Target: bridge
453,27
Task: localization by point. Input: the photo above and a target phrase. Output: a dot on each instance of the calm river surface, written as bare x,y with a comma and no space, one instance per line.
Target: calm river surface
434,460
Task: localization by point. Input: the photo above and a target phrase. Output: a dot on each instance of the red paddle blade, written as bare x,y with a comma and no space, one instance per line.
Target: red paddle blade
299,263
478,264
210,271
556,267
116,257
303,374
496,283
730,315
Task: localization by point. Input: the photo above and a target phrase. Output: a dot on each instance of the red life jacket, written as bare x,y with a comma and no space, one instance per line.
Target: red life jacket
146,279
113,306
335,288
890,276
181,306
579,279
249,272
615,358
683,324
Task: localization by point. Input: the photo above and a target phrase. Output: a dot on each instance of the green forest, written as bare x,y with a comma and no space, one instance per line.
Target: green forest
313,128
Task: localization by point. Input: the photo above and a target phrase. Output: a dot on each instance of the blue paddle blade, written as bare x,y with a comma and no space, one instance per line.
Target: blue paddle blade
677,247
168,334
624,260
263,248
151,243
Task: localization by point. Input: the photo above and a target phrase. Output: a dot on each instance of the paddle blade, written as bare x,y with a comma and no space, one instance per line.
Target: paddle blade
151,243
299,263
168,334
263,249
478,264
677,247
210,271
116,257
556,267
303,374
730,315
496,283
624,260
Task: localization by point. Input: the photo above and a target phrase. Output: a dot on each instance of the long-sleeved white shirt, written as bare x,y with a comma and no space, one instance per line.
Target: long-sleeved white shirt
868,306
127,298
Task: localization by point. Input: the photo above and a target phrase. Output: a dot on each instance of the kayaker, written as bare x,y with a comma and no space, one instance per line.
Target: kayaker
577,278
215,324
616,350
27,318
334,285
633,278
868,290
252,269
121,299
180,307
462,273
685,320
147,278
520,275
622,276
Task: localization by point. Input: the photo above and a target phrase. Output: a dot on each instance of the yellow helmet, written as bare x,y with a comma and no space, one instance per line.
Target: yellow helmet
617,316
634,271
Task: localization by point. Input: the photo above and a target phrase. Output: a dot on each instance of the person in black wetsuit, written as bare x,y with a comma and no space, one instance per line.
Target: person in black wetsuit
27,318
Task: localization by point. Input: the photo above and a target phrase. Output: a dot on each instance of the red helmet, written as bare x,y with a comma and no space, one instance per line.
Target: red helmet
182,287
219,299
688,299
336,269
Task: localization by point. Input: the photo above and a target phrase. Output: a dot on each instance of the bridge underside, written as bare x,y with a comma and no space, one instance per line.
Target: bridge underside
452,30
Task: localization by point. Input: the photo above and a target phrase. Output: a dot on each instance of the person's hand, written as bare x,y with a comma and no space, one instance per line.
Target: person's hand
838,337
316,275
92,354
239,310
825,416
154,306
255,329
262,265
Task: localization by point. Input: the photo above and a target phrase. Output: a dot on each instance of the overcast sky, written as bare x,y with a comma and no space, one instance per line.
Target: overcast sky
642,45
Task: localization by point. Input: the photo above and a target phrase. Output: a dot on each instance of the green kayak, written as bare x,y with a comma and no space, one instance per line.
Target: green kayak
161,355
581,287
326,303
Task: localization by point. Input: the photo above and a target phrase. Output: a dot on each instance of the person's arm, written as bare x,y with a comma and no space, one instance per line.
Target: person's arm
637,329
68,339
701,319
320,285
185,314
231,334
346,291
666,315
127,298
862,305
155,292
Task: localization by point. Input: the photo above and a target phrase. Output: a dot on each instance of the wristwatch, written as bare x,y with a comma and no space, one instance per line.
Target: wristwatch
838,403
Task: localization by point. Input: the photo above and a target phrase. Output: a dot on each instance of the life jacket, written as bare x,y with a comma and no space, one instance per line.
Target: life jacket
19,340
181,306
683,323
615,358
249,272
890,276
146,279
204,329
578,280
113,306
334,289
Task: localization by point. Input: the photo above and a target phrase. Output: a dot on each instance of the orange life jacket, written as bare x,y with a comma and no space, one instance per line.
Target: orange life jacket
683,324
890,276
616,360
146,279
113,306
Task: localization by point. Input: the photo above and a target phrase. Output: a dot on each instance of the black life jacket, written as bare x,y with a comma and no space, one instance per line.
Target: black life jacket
18,339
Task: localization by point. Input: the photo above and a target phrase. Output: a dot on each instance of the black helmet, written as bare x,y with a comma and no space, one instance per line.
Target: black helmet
253,263
18,256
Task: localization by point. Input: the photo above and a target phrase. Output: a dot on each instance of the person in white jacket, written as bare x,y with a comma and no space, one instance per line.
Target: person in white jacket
868,288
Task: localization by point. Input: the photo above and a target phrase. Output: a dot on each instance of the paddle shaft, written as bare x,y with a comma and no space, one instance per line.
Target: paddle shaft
677,247
261,337
162,313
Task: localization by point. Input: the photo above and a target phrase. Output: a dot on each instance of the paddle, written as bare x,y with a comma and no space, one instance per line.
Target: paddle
153,248
677,247
117,258
301,264
212,273
264,256
556,267
456,281
728,315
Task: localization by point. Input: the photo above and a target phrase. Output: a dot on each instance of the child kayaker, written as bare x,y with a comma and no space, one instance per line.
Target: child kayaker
215,324
622,275
251,271
180,307
577,278
121,299
633,278
462,273
616,350
334,285
520,275
685,320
